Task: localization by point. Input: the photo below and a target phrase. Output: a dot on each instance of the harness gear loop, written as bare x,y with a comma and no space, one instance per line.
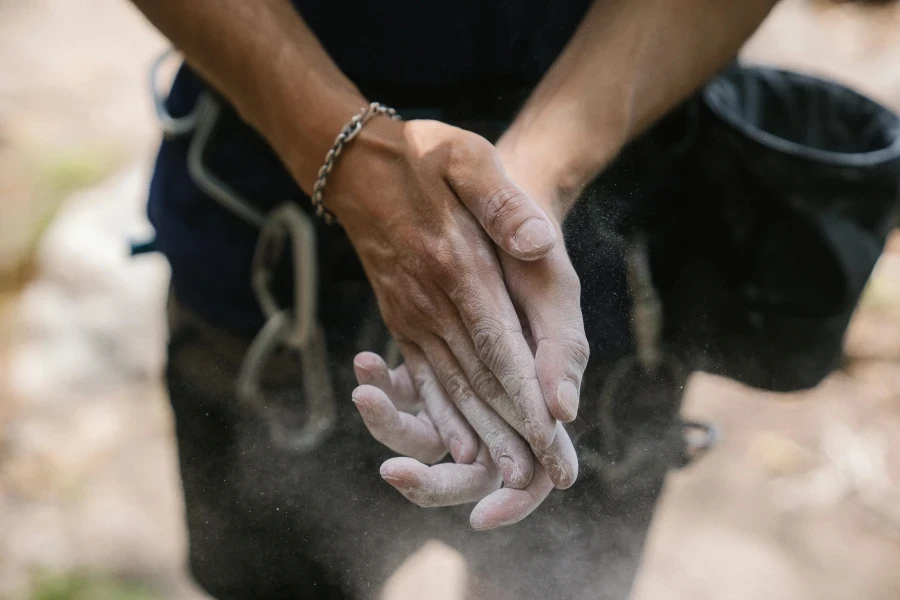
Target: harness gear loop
298,329
318,396
288,222
208,111
171,126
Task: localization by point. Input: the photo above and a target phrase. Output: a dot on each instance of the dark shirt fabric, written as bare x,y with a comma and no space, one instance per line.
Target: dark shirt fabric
476,57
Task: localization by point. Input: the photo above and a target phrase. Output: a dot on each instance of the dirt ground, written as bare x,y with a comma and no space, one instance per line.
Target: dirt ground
801,501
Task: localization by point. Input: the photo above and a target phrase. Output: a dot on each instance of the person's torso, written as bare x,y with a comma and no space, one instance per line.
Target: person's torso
428,43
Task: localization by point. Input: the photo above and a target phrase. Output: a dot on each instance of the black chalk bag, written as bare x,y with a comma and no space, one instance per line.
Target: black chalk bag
793,186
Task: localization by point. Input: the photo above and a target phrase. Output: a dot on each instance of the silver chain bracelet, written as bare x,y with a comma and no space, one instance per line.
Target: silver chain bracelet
350,131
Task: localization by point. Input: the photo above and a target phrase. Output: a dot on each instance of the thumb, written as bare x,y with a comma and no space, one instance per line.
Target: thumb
508,215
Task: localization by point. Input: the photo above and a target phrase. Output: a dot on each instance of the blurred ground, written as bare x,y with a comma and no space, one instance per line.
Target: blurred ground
801,500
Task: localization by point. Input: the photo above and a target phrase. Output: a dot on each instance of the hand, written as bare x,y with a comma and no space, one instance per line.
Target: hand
418,200
379,396
547,294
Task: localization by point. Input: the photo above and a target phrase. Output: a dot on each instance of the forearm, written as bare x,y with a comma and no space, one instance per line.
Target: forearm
264,59
628,64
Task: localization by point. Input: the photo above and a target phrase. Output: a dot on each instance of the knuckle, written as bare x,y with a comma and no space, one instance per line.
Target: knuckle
501,207
483,379
465,150
457,388
503,442
578,349
495,349
566,281
572,281
444,263
461,153
420,299
514,382
487,335
422,384
444,423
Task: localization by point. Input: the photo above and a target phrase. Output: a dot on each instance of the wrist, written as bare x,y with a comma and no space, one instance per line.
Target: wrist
305,112
558,159
369,158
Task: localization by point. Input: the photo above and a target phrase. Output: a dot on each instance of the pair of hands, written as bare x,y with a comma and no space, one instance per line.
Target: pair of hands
474,284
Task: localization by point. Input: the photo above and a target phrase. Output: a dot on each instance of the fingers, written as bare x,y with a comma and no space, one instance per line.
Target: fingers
507,449
549,296
371,369
414,436
449,484
446,484
560,364
559,458
498,342
509,216
507,506
456,434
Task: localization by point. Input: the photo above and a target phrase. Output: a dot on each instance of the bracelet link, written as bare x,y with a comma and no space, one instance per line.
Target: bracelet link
349,131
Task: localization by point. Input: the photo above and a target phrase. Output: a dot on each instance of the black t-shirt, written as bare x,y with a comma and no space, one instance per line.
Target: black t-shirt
432,42
399,48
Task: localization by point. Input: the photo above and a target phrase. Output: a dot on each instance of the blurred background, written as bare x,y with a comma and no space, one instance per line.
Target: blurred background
800,501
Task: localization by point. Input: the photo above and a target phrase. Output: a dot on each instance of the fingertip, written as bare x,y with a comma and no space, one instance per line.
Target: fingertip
459,439
407,476
503,507
480,523
563,476
540,436
371,402
533,240
463,452
562,462
368,360
400,469
565,405
366,366
515,474
366,393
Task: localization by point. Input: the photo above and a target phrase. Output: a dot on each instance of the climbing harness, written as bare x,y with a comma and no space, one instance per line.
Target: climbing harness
297,329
